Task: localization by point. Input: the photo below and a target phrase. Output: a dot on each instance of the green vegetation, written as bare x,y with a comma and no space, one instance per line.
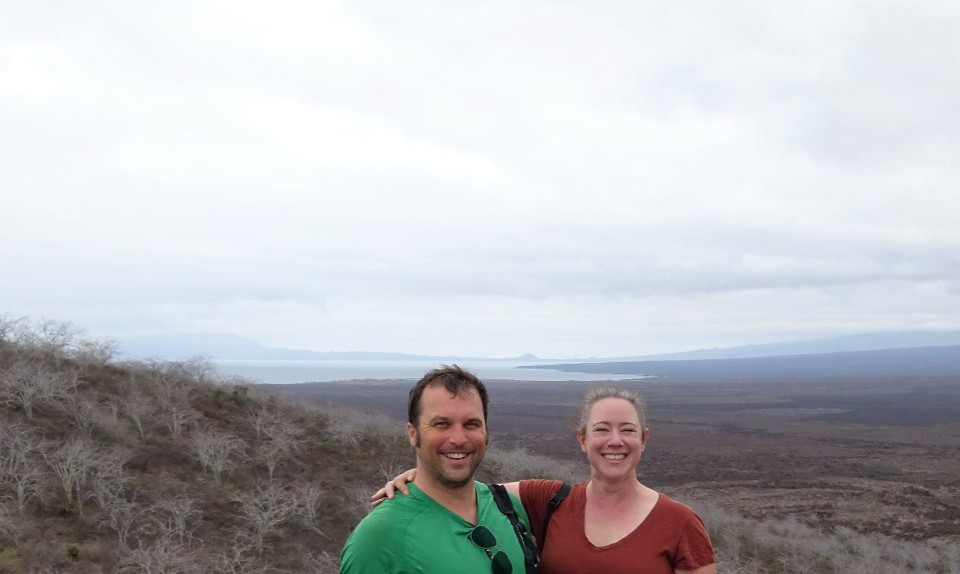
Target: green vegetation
165,467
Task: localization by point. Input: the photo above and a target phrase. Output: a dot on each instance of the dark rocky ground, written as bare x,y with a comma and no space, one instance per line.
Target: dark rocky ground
877,454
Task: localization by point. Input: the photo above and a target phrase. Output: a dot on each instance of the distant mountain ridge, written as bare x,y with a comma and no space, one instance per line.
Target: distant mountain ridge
232,347
933,361
839,344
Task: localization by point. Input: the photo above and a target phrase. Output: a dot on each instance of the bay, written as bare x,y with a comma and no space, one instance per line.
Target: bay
304,371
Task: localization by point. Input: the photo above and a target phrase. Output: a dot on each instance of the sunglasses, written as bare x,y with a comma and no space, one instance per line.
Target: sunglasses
482,537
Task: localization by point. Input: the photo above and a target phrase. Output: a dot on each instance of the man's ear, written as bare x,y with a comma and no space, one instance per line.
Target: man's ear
412,435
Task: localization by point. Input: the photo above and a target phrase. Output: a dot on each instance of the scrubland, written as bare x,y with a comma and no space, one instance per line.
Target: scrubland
167,467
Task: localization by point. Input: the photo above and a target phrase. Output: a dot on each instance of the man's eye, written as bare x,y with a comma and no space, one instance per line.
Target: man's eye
441,424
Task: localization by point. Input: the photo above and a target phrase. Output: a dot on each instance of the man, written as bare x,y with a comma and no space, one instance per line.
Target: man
449,523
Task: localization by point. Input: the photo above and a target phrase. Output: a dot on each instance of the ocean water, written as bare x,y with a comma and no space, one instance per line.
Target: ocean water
278,372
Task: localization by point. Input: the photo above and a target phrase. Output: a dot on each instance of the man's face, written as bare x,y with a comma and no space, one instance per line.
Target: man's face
450,438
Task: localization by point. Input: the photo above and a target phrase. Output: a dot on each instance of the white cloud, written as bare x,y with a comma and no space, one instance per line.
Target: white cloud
33,71
295,27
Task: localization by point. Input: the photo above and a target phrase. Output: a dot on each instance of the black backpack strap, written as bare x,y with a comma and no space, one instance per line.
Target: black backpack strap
551,506
528,544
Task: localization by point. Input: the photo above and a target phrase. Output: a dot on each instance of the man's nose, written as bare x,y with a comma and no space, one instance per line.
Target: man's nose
458,435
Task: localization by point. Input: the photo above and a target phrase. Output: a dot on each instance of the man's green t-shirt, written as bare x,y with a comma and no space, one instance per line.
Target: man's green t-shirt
415,534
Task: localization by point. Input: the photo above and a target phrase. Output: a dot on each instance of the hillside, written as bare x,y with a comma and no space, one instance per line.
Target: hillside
161,467
164,467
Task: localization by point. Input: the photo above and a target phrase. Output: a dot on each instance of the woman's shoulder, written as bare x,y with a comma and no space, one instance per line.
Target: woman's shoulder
672,506
541,485
537,492
538,486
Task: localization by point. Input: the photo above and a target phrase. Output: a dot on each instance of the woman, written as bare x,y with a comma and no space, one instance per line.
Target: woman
611,523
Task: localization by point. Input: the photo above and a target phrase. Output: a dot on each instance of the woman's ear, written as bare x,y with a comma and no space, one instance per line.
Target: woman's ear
583,442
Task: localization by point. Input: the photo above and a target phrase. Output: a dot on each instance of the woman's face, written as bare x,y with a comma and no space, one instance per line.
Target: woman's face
614,439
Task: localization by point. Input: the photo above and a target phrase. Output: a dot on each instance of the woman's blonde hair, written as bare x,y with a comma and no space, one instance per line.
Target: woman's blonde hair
600,393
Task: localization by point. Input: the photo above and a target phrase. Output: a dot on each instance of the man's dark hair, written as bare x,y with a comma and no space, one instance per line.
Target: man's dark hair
454,379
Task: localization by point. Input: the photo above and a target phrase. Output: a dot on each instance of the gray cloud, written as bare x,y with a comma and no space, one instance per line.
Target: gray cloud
563,179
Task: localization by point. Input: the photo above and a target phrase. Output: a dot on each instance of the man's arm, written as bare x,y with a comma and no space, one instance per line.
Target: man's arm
399,484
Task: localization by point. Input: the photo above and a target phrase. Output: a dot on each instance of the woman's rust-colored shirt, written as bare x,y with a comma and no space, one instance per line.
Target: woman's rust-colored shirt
671,537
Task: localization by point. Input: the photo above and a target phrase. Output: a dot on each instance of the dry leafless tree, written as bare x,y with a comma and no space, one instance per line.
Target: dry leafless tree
27,383
71,462
237,558
95,352
57,339
20,473
344,426
11,525
262,510
162,556
178,414
306,501
217,451
122,516
138,407
10,329
277,437
176,517
323,563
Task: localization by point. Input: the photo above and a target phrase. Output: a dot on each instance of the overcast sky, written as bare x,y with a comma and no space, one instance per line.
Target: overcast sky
568,178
